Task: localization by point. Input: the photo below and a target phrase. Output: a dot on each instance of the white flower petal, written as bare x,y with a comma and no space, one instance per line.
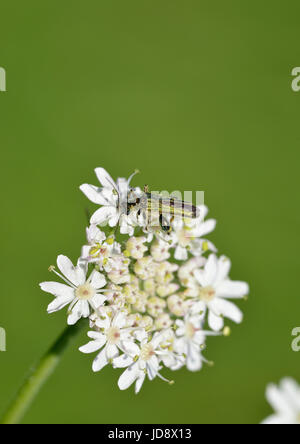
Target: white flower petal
131,348
94,194
100,361
292,392
67,268
180,253
125,226
180,345
58,304
141,334
81,270
103,214
114,220
227,309
211,246
152,367
193,359
58,290
278,420
97,280
200,336
232,289
205,228
139,382
122,361
92,346
112,351
224,265
85,308
180,331
85,253
203,211
129,376
103,323
98,300
277,400
119,320
216,323
200,276
75,315
169,360
210,270
180,323
97,336
198,307
180,361
110,196
94,234
104,178
157,339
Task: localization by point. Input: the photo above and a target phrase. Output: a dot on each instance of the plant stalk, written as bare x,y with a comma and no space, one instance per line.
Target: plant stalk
39,375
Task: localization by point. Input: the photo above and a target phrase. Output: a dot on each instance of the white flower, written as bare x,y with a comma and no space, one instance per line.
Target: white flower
285,400
178,305
170,357
119,273
191,340
147,309
145,268
115,296
99,249
160,250
164,290
164,272
135,320
149,285
140,361
216,288
113,198
145,322
80,292
140,304
186,235
163,321
186,271
135,247
155,306
113,332
134,295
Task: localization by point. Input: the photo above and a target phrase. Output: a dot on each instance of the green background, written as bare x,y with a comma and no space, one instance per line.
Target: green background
195,94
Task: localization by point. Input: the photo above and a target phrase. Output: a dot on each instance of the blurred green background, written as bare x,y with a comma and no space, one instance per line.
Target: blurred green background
195,94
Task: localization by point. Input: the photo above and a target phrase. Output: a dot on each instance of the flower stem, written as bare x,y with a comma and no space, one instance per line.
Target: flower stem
39,375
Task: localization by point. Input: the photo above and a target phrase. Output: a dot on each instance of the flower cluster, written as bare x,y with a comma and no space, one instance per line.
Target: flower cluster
148,293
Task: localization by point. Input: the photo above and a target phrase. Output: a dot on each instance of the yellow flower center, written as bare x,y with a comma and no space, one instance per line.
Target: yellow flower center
113,335
85,292
184,238
207,294
98,250
190,330
147,352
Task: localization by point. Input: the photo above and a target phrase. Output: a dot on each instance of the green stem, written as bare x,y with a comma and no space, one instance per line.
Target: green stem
39,375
